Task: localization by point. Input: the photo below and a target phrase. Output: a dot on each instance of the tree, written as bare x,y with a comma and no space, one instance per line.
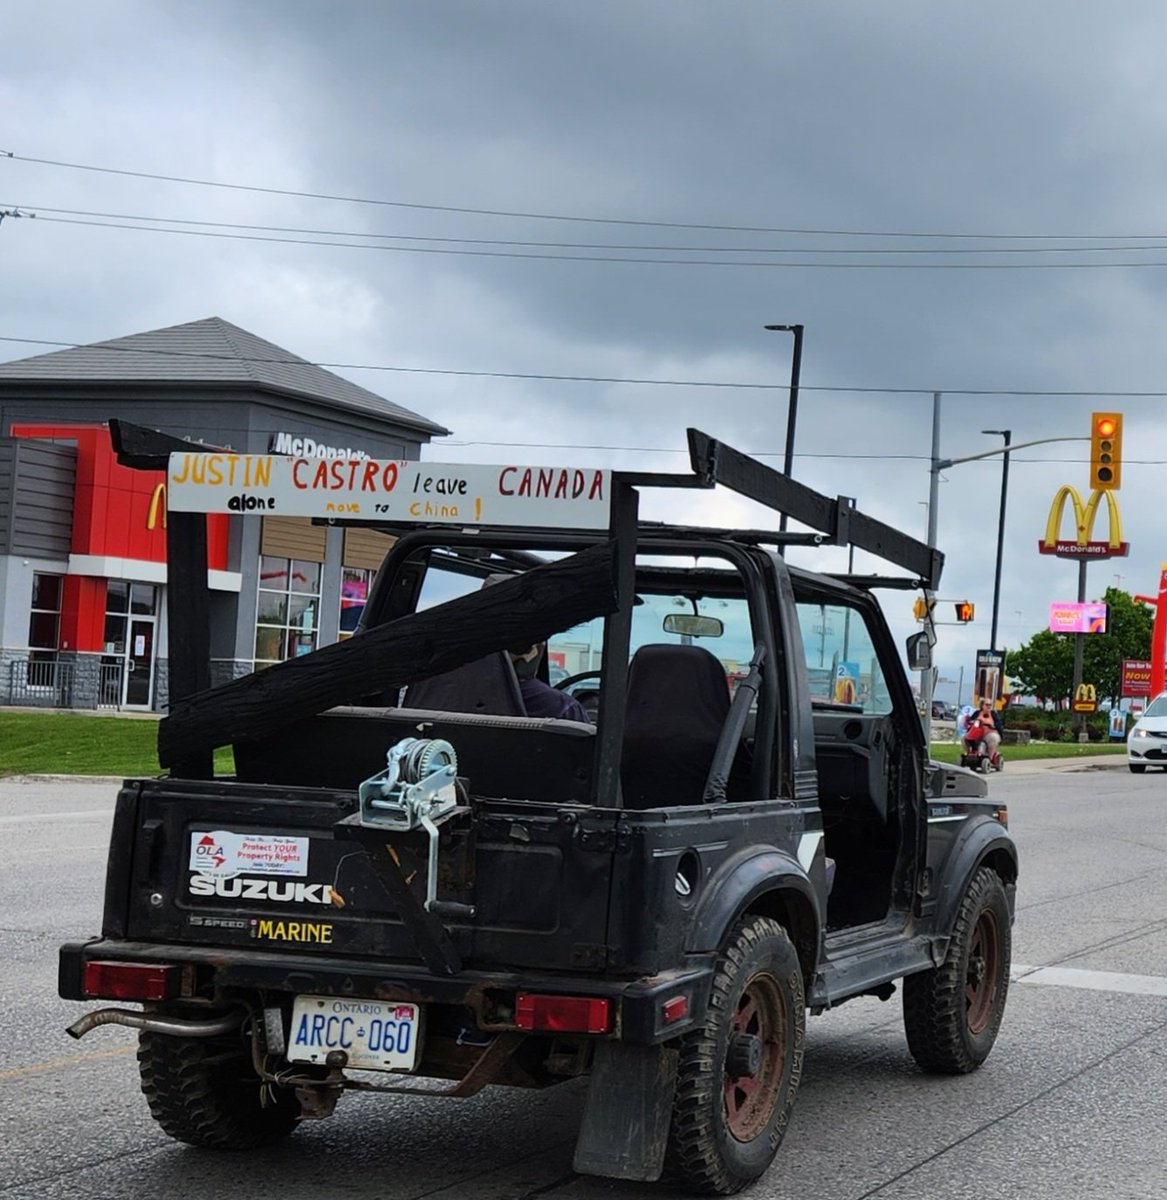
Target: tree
1128,635
1042,667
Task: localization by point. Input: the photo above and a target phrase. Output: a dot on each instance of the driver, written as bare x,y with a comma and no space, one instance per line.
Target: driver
541,699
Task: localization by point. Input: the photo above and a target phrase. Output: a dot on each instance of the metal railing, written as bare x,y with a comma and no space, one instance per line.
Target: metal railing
41,684
47,683
109,685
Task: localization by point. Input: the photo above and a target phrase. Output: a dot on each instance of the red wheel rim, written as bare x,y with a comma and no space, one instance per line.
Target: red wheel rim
750,1099
980,981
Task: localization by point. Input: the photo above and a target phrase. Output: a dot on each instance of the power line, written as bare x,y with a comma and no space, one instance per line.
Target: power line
615,379
1016,458
773,454
558,245
543,216
610,258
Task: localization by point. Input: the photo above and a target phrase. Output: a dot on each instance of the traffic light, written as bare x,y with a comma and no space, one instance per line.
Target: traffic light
965,610
922,608
1106,451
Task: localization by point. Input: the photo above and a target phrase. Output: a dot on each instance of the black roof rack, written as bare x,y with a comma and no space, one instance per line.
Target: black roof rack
839,519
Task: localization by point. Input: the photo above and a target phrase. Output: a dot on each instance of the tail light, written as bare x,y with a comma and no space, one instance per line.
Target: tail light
130,981
563,1014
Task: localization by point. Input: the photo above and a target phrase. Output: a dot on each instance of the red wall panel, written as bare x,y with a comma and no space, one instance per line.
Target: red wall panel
113,505
83,613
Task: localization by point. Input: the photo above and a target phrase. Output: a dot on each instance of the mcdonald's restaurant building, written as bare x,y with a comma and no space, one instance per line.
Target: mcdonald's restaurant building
82,538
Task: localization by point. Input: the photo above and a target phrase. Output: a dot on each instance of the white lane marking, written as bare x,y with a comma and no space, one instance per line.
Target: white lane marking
86,814
1093,981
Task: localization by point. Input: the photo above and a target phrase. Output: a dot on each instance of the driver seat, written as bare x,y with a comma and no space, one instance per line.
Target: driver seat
488,687
678,699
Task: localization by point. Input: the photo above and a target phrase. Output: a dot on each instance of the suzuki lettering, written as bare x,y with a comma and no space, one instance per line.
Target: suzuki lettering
279,890
1084,515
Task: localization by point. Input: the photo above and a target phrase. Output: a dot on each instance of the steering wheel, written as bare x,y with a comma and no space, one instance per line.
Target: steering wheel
564,684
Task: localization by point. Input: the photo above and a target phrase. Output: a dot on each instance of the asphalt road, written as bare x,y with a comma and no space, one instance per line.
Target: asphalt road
1072,1103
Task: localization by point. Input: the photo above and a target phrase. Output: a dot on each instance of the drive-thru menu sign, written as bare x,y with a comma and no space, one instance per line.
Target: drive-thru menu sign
390,490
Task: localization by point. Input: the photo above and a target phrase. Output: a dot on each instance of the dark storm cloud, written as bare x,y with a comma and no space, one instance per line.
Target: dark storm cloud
837,116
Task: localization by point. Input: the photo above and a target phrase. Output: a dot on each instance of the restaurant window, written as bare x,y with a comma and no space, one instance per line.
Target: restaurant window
288,613
354,592
44,620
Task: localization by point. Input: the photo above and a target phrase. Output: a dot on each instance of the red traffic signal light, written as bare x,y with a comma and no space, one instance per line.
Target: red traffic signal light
1106,451
964,611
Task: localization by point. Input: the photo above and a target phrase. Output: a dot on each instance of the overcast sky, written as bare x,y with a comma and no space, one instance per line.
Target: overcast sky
1038,128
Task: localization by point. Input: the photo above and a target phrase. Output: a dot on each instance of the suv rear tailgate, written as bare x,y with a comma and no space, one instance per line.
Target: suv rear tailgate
230,864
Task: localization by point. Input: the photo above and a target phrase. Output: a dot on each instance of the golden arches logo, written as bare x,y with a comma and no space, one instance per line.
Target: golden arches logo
1086,692
1085,515
157,506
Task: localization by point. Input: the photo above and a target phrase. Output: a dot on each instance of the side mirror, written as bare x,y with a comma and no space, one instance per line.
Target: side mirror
919,652
691,625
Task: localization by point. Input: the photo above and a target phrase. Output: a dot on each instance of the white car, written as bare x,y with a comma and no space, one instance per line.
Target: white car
1146,744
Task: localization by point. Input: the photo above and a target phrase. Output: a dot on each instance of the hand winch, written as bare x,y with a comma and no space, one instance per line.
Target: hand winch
415,791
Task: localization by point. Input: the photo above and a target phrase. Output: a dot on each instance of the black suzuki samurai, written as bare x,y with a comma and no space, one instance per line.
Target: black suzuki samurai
409,874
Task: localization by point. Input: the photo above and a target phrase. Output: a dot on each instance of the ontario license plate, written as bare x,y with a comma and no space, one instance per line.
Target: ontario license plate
377,1035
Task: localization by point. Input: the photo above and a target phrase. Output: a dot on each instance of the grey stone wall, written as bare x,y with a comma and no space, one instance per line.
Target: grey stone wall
86,682
161,684
224,670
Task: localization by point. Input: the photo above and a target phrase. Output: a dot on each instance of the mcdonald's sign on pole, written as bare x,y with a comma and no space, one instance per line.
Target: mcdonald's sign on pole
1085,698
1083,544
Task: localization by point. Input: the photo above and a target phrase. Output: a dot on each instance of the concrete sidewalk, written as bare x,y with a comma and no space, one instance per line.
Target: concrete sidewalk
1086,762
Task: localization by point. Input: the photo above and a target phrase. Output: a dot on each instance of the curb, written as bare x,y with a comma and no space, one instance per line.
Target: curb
1096,762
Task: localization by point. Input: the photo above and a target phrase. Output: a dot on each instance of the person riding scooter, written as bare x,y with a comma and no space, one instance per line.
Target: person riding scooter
983,736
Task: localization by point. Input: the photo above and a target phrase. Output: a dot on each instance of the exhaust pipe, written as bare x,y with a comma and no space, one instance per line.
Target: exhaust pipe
172,1026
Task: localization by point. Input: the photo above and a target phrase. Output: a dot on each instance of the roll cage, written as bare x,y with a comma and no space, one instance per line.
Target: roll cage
599,578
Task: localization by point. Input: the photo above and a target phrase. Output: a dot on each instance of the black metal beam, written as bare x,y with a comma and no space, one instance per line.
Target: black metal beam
519,611
838,518
188,594
147,449
617,636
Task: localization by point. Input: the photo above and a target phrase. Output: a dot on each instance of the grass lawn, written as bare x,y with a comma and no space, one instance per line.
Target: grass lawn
949,752
53,743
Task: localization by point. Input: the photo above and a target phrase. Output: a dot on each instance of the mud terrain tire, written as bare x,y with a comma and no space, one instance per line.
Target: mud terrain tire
952,1013
739,1073
203,1091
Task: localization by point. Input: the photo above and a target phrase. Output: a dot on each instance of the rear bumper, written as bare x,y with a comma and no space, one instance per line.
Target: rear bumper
222,973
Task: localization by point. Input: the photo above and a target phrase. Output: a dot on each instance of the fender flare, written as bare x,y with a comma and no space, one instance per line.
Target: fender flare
980,841
768,880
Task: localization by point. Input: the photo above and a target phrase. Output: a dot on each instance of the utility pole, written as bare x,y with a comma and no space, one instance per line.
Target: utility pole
1006,434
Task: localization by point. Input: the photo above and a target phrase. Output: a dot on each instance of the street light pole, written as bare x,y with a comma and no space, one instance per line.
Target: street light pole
791,408
937,465
1007,434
